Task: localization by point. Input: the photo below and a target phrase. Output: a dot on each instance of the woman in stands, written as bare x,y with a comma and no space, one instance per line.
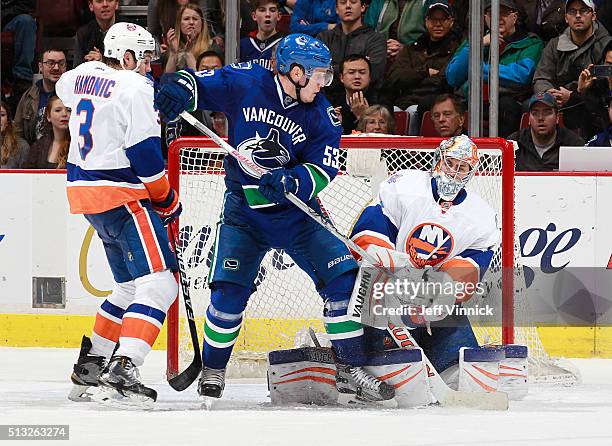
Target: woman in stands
51,151
376,119
14,149
188,39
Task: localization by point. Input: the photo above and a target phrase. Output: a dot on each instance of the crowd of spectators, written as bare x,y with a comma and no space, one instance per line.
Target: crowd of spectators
390,58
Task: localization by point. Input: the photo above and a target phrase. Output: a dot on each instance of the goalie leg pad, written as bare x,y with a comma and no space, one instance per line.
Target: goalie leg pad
513,372
405,370
302,376
223,320
346,335
479,368
107,327
145,316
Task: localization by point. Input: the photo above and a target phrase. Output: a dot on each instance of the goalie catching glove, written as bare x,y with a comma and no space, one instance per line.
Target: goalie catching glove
396,284
275,184
169,209
177,94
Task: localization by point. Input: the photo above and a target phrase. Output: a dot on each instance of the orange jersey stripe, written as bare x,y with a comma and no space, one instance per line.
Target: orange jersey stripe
462,270
98,199
158,189
147,236
106,328
140,329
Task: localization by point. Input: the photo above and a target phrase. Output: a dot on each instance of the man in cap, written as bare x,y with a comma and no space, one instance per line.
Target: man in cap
417,75
539,143
519,52
582,43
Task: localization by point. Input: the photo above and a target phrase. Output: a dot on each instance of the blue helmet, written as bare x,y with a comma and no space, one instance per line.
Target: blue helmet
305,51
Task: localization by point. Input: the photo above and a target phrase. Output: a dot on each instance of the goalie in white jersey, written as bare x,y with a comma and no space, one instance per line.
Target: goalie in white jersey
429,221
116,178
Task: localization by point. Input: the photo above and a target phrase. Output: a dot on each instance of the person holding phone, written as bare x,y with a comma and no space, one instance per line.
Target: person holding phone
594,88
582,43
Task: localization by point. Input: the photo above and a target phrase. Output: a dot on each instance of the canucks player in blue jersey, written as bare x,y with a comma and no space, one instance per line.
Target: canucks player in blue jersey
285,126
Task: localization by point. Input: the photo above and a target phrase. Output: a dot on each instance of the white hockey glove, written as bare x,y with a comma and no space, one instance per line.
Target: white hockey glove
437,295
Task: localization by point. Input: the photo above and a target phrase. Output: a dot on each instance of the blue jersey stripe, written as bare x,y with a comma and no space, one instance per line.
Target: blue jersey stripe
112,309
373,219
125,174
146,157
147,311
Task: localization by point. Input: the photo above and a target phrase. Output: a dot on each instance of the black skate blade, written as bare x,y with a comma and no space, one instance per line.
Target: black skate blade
124,398
354,400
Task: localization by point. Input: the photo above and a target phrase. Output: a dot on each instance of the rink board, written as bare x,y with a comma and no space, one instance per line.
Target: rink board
39,238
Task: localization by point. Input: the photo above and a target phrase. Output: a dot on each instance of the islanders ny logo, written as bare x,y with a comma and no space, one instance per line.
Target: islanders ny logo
429,244
266,152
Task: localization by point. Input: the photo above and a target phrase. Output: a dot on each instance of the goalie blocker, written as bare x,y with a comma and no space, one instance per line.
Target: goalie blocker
307,375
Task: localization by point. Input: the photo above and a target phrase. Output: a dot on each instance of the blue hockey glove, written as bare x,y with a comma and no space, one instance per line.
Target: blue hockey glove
169,209
274,184
177,94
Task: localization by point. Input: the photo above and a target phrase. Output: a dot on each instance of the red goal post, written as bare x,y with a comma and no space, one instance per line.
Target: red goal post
180,164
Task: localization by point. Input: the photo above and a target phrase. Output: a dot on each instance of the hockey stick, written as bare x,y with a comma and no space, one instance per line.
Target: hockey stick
184,379
292,198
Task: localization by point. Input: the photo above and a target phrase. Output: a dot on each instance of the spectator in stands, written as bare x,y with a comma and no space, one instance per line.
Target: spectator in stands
355,79
401,21
313,16
161,16
604,138
89,42
188,39
376,119
353,37
13,149
546,18
51,151
30,110
17,18
539,143
417,75
595,93
604,14
258,46
448,116
519,52
210,60
564,58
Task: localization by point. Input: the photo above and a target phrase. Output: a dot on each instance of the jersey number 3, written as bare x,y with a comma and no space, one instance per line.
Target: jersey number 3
85,137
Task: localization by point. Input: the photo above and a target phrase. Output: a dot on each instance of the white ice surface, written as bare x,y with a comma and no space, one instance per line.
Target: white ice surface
34,384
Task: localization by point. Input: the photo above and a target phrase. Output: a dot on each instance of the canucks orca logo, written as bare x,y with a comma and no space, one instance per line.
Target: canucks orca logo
429,244
267,152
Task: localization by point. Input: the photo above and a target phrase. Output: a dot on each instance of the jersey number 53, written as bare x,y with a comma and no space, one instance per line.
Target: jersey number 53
331,157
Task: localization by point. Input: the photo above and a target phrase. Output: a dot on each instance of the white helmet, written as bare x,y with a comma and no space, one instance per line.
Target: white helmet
124,36
450,179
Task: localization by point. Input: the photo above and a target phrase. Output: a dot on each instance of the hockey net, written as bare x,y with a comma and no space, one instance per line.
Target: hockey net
286,302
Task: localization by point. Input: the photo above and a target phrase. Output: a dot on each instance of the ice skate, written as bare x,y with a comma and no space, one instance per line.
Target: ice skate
85,373
211,385
365,387
120,386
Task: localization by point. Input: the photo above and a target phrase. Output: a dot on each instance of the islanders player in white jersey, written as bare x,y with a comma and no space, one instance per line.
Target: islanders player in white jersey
116,178
282,124
429,221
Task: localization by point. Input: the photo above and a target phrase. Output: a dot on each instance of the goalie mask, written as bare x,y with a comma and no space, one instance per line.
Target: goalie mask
454,164
123,37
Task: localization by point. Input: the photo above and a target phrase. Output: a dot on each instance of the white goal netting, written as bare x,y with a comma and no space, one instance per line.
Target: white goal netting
286,303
